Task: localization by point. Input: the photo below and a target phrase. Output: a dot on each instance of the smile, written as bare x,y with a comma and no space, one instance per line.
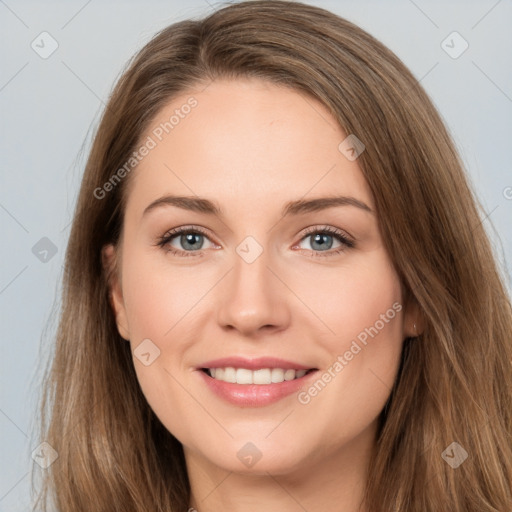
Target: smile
254,382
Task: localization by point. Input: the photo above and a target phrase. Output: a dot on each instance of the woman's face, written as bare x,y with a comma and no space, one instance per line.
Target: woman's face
266,278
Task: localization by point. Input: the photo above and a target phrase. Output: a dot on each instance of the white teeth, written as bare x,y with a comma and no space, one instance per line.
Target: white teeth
277,375
262,376
289,375
229,375
243,376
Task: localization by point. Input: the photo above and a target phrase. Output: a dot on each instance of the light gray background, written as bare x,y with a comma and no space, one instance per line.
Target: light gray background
49,108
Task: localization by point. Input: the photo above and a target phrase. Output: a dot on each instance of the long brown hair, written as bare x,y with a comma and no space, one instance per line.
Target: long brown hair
455,379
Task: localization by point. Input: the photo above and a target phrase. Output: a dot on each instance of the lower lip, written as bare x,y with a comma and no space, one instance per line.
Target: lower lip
254,395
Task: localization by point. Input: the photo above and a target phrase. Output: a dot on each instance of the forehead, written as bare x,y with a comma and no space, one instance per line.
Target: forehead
246,143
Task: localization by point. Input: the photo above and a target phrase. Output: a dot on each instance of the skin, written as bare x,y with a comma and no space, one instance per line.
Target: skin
252,146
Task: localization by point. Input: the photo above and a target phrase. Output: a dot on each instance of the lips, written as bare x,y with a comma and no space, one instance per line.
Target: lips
254,382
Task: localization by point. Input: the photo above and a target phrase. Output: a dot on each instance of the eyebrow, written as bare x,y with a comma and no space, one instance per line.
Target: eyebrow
202,205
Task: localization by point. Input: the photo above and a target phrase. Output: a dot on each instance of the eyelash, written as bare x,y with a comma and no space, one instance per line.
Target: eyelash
336,233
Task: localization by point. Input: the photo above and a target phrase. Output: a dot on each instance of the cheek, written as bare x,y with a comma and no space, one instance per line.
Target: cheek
157,311
352,299
156,296
363,311
162,304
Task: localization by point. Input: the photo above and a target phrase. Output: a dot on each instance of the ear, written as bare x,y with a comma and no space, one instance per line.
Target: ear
414,319
111,264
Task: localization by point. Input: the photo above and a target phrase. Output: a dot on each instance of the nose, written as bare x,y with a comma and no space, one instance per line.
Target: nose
253,298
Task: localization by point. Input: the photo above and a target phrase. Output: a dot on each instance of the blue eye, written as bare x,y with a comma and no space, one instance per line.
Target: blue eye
191,239
322,238
188,237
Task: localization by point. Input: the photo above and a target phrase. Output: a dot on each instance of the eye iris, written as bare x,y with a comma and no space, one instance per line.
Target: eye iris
189,239
318,237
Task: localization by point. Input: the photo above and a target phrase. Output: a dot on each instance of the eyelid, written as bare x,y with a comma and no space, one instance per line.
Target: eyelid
185,229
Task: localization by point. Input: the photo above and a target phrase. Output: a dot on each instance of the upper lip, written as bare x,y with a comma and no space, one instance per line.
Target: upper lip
254,363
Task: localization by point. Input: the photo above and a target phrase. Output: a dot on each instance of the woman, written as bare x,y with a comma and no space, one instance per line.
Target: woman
278,293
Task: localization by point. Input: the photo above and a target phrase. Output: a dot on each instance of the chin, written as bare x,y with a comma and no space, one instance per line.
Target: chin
258,458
